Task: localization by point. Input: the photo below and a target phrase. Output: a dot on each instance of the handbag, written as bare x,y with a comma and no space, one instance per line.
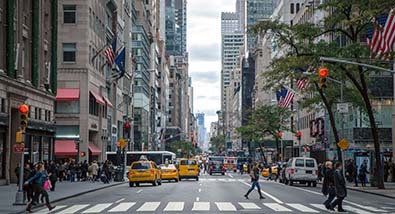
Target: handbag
47,185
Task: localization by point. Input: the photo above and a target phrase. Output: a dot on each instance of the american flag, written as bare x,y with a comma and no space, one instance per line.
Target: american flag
381,38
302,84
284,98
110,56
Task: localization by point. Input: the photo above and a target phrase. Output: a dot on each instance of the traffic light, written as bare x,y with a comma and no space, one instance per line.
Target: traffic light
280,134
323,74
19,137
299,135
23,116
126,130
82,154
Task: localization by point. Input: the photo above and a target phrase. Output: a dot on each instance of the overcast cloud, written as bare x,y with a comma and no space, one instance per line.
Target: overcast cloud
204,47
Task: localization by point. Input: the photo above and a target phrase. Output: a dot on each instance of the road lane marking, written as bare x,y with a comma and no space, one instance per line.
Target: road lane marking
302,208
201,206
373,209
249,206
265,193
73,209
58,207
197,199
230,175
277,207
139,191
225,206
98,208
319,206
174,206
149,206
200,184
355,210
119,200
122,207
200,190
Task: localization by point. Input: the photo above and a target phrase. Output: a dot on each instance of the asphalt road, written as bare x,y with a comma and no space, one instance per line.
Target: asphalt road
216,194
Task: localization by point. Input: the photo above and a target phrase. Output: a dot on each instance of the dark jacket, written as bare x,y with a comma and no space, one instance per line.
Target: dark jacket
39,178
328,185
340,184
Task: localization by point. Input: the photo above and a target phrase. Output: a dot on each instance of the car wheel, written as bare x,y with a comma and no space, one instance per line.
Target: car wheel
137,184
180,179
291,183
131,184
176,179
160,182
315,184
197,178
211,173
154,183
223,173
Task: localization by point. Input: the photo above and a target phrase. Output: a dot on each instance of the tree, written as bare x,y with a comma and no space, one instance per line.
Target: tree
347,21
217,144
266,121
183,149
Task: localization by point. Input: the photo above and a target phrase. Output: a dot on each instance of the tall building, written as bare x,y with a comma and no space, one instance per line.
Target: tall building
176,27
93,100
257,10
28,71
202,129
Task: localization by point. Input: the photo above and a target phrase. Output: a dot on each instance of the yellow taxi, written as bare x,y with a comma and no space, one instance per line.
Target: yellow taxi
265,171
188,168
169,172
144,172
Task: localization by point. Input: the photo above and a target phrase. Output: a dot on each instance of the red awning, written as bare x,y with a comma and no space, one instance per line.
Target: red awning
65,148
98,98
109,104
67,94
93,148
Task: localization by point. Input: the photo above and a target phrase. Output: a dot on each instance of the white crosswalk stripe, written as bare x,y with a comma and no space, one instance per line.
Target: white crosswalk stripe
122,207
73,209
149,206
372,209
98,208
59,207
201,206
355,210
277,207
302,208
249,206
174,206
225,206
319,206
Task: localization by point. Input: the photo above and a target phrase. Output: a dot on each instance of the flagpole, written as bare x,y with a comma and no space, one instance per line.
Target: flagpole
97,54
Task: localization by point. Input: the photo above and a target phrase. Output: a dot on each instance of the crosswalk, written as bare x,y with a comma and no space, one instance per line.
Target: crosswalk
199,206
222,180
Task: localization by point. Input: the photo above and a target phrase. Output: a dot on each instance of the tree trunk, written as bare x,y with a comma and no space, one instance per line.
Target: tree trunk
277,149
332,121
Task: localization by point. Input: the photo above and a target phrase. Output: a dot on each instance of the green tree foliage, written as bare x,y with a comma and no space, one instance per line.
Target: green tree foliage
183,149
217,144
303,44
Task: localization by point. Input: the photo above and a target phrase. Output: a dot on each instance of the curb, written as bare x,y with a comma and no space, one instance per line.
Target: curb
372,193
77,194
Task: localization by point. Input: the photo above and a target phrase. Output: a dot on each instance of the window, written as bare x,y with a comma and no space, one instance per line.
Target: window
292,8
69,14
67,107
49,116
36,113
93,106
310,163
297,7
3,106
69,50
299,163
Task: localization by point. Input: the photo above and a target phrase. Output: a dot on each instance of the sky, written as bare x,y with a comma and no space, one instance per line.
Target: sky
204,47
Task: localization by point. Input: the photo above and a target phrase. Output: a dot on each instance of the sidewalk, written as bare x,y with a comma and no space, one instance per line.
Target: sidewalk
388,192
63,191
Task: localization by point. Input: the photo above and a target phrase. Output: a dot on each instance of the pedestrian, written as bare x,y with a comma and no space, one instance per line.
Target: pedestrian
61,171
363,170
386,171
53,174
355,174
27,189
270,173
72,171
38,181
84,170
95,169
277,175
255,181
320,175
340,188
328,185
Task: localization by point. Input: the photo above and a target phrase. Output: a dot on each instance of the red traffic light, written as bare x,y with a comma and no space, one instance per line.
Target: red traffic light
23,109
280,134
323,72
127,126
299,134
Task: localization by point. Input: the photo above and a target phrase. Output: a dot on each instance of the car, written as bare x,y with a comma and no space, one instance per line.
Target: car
265,171
231,163
169,172
282,172
144,172
188,168
216,167
303,170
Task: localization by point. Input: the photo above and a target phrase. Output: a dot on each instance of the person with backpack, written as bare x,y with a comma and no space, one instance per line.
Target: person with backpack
254,173
39,182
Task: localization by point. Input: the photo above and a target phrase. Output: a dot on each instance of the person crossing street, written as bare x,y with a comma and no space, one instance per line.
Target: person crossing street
254,173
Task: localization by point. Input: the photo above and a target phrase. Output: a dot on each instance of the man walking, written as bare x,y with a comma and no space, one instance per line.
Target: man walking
254,173
340,188
328,186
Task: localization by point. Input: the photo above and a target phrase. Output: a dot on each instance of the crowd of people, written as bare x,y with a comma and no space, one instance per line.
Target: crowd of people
42,177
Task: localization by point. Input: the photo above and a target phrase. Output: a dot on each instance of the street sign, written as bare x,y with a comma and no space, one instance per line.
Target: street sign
343,144
121,143
342,107
19,148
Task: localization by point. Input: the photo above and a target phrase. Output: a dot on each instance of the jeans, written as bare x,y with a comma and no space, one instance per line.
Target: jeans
330,199
338,202
255,183
72,176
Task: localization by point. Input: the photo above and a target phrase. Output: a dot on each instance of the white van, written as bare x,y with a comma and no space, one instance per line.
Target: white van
303,170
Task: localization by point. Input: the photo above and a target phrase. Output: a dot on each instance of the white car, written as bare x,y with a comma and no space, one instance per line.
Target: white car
303,170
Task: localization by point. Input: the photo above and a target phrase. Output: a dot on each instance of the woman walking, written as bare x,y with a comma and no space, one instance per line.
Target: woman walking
328,186
340,188
255,181
38,181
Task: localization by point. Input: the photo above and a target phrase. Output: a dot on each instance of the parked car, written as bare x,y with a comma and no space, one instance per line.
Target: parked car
303,170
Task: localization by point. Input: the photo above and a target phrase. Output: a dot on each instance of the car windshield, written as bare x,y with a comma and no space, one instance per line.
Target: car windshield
310,163
141,165
170,166
188,162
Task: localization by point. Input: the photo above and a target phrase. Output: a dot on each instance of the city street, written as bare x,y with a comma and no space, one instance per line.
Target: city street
215,194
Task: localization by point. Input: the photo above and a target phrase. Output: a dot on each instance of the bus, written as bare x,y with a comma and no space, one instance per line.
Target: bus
159,157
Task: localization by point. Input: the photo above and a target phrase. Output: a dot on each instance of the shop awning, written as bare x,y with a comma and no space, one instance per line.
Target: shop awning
98,98
93,148
65,148
109,104
67,94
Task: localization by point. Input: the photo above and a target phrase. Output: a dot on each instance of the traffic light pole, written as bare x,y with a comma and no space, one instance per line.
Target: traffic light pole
19,196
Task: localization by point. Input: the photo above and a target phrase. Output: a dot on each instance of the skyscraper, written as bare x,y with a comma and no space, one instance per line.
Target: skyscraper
257,10
202,129
176,27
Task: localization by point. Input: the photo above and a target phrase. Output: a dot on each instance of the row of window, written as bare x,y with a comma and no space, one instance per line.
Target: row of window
39,114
